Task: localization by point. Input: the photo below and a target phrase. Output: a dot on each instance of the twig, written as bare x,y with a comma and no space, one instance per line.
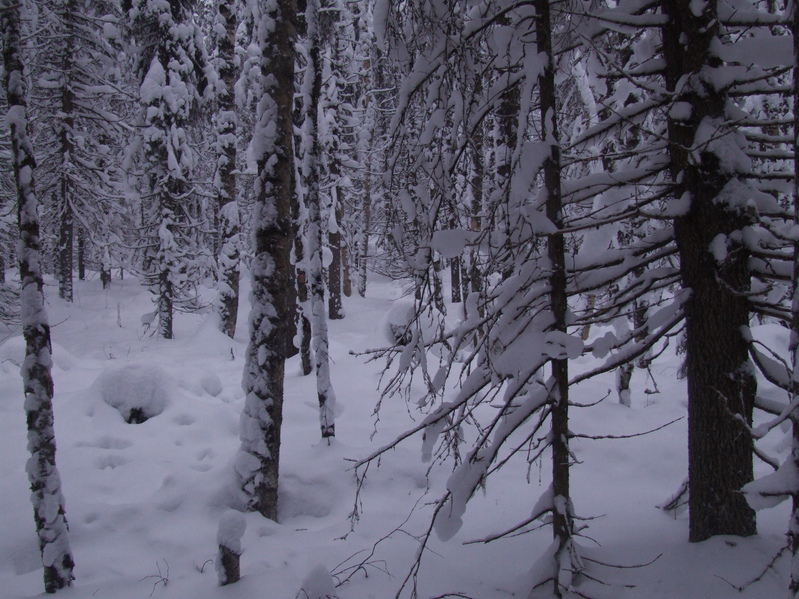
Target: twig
597,437
161,578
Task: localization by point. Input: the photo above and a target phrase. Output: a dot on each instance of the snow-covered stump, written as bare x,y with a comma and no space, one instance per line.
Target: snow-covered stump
228,538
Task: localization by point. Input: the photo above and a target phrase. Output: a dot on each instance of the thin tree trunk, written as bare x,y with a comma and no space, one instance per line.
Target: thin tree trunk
365,159
65,247
105,268
258,459
66,152
475,278
311,160
228,256
455,279
334,274
363,241
566,558
346,278
48,501
720,376
301,323
81,254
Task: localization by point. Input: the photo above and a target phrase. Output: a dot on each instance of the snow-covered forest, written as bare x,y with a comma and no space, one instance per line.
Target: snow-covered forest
377,298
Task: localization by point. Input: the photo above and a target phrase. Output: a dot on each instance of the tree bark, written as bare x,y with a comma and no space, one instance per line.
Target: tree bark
721,382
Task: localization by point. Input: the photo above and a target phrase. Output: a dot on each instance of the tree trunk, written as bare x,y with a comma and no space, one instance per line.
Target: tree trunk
363,238
228,256
319,341
81,254
365,158
567,561
720,377
48,501
334,276
346,278
66,151
65,249
258,459
793,526
455,279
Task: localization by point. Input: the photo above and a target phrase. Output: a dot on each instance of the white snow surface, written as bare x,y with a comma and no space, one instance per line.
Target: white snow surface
145,501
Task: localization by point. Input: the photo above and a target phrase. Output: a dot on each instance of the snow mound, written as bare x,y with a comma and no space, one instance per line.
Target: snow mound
138,391
318,585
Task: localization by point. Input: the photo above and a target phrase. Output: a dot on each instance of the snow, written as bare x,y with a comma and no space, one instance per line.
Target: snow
231,528
149,498
142,387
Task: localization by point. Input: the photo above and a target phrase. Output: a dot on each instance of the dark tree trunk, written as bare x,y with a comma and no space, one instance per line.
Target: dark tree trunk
363,242
48,502
507,125
475,278
230,564
66,151
301,325
228,256
720,378
81,254
65,249
334,277
455,279
346,278
259,456
562,514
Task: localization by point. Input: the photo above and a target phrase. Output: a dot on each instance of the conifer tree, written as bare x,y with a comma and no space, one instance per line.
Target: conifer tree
169,62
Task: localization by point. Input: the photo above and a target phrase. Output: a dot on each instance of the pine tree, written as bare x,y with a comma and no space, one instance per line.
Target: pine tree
169,63
77,99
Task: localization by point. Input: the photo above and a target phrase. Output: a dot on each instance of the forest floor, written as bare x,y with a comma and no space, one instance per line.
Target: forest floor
144,500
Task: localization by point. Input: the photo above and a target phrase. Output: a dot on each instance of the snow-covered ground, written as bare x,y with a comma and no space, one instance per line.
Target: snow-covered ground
144,501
